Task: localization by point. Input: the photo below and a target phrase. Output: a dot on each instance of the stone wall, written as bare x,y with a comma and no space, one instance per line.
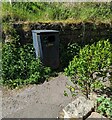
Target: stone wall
83,33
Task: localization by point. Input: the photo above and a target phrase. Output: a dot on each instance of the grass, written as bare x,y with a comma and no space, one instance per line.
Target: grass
45,11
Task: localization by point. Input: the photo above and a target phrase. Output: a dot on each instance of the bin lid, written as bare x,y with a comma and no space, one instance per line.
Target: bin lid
45,31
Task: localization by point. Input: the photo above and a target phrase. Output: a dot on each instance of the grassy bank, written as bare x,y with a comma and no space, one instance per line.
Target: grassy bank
42,11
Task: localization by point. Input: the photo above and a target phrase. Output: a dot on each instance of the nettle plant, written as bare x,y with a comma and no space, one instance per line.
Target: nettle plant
94,58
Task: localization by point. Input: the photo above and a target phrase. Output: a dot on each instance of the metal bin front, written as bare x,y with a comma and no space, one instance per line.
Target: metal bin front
46,44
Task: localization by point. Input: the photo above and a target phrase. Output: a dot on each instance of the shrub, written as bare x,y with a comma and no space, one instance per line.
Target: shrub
15,61
91,59
20,66
68,52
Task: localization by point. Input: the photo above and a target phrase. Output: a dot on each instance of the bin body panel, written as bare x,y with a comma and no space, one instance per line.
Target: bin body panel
35,44
50,49
46,44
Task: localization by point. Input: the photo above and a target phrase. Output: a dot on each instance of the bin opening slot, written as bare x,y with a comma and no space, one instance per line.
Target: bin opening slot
51,39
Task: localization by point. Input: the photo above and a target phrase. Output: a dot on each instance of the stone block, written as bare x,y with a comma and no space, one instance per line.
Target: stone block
79,108
95,115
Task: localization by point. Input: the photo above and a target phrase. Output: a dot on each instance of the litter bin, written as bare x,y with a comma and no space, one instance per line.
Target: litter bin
46,44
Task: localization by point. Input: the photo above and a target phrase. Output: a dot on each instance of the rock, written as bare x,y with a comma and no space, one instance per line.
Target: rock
105,79
107,82
79,108
95,75
69,82
109,74
93,96
100,79
96,115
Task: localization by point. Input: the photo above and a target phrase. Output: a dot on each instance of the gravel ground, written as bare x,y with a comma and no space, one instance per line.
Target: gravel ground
36,101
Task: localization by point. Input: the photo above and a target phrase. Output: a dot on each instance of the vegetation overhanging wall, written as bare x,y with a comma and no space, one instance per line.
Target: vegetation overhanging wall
82,33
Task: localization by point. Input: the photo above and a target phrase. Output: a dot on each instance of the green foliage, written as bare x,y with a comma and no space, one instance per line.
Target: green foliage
105,106
97,85
38,72
15,60
14,83
10,33
72,90
20,66
91,59
65,93
38,11
68,52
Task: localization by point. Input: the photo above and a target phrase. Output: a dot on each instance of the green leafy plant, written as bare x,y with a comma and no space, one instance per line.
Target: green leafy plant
91,59
19,66
104,106
97,85
65,93
68,52
38,73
